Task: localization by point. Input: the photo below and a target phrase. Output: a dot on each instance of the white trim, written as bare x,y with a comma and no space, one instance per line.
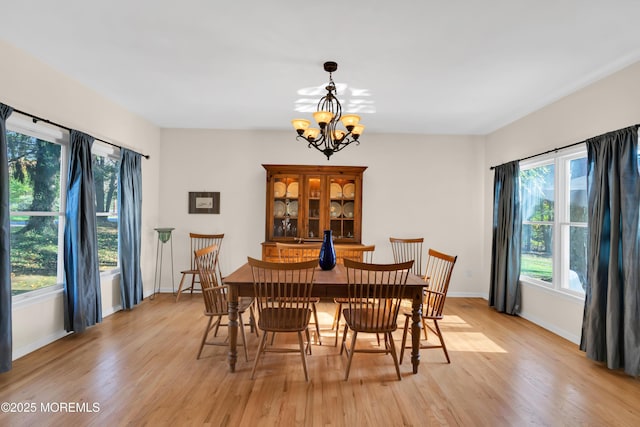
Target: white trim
36,296
550,327
560,292
33,346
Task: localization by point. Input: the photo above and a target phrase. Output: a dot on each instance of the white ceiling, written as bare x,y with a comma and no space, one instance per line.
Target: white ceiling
422,66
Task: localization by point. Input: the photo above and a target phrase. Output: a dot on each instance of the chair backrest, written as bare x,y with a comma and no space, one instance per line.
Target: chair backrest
354,252
214,295
283,293
438,275
201,241
376,289
407,250
298,252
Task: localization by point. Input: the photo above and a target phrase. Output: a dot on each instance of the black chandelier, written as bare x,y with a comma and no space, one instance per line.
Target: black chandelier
328,138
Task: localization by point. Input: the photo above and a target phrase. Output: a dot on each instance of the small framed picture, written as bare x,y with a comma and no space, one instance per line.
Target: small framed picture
204,202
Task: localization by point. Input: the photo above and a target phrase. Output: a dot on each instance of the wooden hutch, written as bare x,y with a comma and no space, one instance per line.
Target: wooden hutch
303,201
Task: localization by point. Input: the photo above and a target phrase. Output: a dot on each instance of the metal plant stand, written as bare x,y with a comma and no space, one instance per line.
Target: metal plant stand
164,236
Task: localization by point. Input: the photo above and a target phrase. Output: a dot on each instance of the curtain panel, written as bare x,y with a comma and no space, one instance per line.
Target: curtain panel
611,323
504,292
6,339
130,227
83,307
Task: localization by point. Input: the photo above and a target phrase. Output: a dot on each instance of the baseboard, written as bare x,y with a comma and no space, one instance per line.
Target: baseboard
33,346
561,332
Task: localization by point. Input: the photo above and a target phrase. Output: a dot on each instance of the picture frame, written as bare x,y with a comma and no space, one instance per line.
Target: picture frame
204,202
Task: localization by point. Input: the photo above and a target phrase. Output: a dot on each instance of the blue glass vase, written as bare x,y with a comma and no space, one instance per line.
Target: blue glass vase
327,252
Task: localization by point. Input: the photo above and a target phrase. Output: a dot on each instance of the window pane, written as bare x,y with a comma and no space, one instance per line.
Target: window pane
34,173
34,185
105,175
536,260
108,242
537,186
577,258
578,190
34,253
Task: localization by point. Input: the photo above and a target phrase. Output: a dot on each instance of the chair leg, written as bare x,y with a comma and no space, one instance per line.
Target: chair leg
259,354
336,322
204,338
444,347
252,321
335,317
180,286
350,353
424,328
308,335
404,337
244,337
344,338
315,317
392,347
215,332
193,281
303,355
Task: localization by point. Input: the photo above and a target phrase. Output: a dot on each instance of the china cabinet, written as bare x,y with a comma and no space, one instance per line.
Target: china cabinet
303,201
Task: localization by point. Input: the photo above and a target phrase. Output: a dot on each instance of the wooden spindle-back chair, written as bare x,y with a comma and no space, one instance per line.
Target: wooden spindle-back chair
375,292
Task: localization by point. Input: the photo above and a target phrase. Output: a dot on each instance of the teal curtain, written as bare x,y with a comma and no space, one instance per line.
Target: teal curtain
504,292
611,323
6,343
130,227
83,307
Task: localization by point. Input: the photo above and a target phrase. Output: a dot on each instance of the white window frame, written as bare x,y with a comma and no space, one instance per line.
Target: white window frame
53,134
561,223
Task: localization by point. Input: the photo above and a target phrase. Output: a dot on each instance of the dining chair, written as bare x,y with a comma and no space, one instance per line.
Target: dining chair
214,295
197,242
298,252
375,292
438,275
283,297
356,253
406,250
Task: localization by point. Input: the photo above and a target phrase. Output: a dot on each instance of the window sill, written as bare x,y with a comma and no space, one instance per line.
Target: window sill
37,296
51,292
568,295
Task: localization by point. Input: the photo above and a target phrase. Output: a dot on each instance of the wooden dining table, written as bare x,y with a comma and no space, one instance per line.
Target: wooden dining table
326,284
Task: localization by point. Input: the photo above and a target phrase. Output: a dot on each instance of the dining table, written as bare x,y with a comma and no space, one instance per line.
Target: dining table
327,284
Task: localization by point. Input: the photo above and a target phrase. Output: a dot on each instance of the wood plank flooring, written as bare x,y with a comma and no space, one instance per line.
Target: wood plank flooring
139,367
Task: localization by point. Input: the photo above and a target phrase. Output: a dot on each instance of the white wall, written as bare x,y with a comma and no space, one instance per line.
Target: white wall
31,86
414,186
607,105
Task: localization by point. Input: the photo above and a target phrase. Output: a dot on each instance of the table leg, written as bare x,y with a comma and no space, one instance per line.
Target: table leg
233,328
416,325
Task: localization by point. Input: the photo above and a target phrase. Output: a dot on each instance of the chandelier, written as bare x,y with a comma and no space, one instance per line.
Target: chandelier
328,138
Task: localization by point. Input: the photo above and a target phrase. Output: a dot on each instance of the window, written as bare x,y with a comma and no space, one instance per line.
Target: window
36,164
554,221
106,168
38,167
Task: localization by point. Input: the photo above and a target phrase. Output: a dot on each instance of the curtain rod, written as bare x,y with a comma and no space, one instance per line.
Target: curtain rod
40,119
553,150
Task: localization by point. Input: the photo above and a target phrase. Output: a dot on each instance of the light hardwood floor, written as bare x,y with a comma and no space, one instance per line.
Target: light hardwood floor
139,367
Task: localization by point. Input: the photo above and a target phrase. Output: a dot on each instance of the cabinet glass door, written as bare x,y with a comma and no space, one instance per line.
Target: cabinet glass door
314,207
342,195
285,206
